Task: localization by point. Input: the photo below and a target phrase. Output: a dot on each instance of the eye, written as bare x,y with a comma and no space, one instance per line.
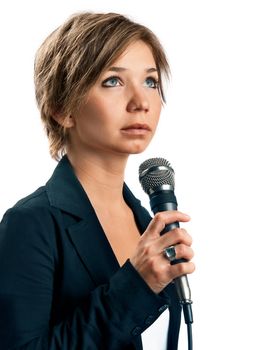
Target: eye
111,82
151,82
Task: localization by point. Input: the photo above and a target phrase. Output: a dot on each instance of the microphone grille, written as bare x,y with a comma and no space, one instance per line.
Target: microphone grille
155,172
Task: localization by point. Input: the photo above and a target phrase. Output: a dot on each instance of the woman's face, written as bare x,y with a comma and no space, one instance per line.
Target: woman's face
120,112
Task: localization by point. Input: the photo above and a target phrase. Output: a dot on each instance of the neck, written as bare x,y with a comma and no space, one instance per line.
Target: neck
102,177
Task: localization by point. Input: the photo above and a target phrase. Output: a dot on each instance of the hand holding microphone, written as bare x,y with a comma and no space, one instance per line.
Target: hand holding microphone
162,258
149,259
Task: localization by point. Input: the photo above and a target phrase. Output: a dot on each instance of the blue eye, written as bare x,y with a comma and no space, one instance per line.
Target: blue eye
111,82
151,83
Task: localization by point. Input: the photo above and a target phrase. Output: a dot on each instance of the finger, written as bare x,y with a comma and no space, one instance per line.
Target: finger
174,215
164,218
181,269
182,251
173,237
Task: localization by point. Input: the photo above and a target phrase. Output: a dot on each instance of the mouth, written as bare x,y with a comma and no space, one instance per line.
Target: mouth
136,129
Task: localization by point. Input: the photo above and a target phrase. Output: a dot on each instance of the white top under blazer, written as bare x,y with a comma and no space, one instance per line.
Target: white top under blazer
156,336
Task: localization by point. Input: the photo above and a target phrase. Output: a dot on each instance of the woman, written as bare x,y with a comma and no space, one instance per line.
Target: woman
82,264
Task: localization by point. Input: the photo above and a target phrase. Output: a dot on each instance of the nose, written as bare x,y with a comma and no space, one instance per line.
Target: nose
138,101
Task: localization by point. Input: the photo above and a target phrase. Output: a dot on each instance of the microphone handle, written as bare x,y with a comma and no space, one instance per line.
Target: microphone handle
164,201
181,283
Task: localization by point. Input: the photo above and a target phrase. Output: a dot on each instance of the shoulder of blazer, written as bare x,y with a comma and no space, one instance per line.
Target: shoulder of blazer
63,191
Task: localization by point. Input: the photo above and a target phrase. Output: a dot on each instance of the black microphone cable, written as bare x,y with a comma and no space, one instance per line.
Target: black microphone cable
156,177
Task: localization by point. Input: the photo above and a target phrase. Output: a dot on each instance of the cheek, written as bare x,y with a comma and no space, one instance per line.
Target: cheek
88,115
156,110
102,110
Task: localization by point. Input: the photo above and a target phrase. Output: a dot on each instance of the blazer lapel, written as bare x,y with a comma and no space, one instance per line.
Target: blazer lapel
94,249
66,193
91,242
141,215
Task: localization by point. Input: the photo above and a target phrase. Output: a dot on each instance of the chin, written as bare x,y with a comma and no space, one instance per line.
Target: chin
141,144
136,149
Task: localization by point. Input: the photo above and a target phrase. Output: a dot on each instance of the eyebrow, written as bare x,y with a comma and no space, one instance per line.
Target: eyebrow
121,69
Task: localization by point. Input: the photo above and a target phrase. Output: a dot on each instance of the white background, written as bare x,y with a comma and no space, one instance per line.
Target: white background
211,131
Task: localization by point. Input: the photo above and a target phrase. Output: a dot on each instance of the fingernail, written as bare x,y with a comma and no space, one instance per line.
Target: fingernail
187,216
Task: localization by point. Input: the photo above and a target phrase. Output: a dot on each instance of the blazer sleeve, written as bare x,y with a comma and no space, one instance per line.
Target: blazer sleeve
113,314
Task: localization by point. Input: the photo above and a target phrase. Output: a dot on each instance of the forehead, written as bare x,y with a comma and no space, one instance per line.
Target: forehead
136,53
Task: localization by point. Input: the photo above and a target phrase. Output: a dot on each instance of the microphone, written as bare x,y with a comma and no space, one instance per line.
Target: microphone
156,177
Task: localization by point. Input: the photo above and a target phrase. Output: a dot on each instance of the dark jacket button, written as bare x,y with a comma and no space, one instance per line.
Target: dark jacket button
149,320
163,308
136,331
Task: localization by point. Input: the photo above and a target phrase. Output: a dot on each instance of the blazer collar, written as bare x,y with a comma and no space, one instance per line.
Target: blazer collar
65,192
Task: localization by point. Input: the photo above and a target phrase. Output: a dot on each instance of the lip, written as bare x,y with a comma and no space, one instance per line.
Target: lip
137,126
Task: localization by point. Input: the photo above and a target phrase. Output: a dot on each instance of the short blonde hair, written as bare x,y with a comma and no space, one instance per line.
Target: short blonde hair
72,58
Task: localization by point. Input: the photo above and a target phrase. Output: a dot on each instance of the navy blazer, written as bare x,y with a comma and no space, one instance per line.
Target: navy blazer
61,286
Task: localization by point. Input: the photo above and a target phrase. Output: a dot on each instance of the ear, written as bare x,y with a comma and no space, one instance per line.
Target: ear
66,121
